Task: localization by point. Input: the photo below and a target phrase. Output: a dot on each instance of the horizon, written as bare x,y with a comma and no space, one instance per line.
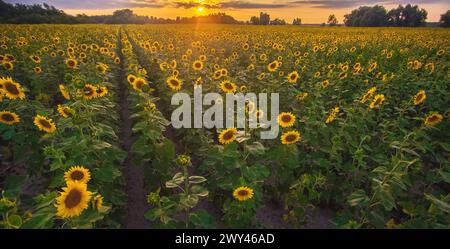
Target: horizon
310,11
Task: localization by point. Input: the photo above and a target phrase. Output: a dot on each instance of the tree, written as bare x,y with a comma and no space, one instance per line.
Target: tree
408,16
332,20
264,18
445,20
254,20
278,21
366,16
297,21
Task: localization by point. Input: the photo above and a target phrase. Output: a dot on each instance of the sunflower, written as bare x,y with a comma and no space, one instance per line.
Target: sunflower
342,75
227,136
89,91
332,115
97,202
9,118
325,83
36,59
433,119
8,65
72,63
38,70
101,67
372,67
377,101
77,173
174,83
293,77
11,89
102,91
290,137
243,193
65,111
419,98
301,96
228,87
197,65
368,95
217,74
273,66
286,119
131,78
73,200
64,92
44,124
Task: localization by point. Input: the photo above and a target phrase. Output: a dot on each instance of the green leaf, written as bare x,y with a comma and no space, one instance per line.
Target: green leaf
359,197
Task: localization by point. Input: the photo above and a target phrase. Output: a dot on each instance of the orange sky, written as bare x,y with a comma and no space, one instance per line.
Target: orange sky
310,11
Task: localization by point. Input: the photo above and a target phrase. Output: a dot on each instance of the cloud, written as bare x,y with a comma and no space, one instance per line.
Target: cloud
339,4
231,5
97,4
219,4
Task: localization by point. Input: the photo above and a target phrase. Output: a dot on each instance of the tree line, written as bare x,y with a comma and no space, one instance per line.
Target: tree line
364,16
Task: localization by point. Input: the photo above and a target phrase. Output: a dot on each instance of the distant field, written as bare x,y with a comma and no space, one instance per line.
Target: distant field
86,139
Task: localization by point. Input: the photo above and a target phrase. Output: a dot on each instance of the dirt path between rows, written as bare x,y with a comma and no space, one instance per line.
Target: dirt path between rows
136,205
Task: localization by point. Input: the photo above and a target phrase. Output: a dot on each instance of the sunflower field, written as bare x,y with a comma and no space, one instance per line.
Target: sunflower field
86,139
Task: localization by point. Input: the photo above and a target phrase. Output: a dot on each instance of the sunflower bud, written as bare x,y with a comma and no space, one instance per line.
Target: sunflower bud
183,160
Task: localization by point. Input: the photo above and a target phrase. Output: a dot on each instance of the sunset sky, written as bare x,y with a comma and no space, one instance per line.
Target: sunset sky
310,11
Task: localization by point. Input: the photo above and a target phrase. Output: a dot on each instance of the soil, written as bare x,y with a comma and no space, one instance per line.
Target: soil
136,206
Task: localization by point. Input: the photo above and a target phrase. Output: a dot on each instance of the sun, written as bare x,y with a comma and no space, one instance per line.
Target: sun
200,9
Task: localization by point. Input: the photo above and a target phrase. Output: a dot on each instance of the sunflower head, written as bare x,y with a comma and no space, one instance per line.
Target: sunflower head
9,118
72,63
377,101
227,136
11,89
228,87
64,92
77,173
286,119
174,83
89,91
293,77
243,193
419,98
197,65
65,111
44,124
433,119
131,78
290,137
73,200
97,202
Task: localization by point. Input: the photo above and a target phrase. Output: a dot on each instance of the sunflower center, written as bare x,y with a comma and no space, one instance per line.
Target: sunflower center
433,118
228,86
45,123
7,117
174,83
286,118
228,135
242,192
88,91
419,97
377,101
198,65
291,137
77,175
73,198
11,88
